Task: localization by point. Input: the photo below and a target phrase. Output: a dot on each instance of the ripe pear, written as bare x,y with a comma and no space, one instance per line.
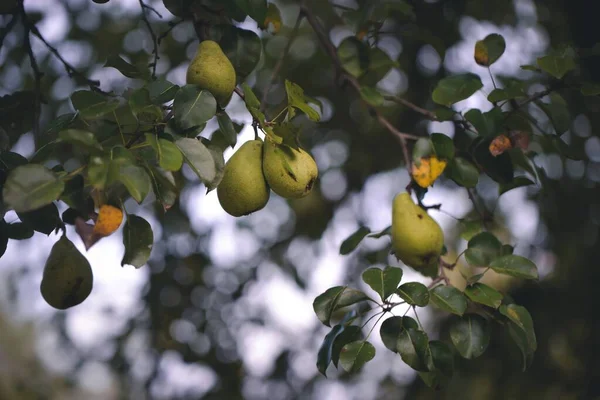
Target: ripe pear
417,239
243,188
211,70
67,279
289,172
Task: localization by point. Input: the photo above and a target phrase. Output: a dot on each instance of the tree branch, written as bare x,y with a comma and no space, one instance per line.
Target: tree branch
37,74
277,68
145,7
426,113
345,77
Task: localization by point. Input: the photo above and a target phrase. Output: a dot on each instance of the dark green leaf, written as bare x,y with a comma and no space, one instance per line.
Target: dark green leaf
590,89
456,88
168,154
354,240
163,185
449,298
482,249
17,230
371,96
517,182
350,334
126,68
463,172
489,50
354,56
356,354
507,249
256,9
384,282
79,137
413,346
333,299
162,91
29,187
556,65
469,229
517,266
483,294
193,106
199,158
414,293
135,179
45,219
227,128
558,112
242,47
499,168
59,123
392,327
470,335
443,358
92,105
138,240
380,64
521,330
325,351
217,155
443,146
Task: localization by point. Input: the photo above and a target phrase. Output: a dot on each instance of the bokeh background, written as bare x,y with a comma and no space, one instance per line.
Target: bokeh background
223,310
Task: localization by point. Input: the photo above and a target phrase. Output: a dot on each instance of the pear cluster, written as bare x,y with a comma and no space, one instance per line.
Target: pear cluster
211,70
258,167
417,239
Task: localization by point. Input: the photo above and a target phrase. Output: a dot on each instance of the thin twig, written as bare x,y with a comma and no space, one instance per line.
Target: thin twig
37,74
345,77
426,113
166,33
239,92
277,68
481,212
145,7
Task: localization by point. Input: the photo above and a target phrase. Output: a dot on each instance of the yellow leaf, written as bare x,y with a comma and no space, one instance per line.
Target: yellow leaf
481,54
273,17
109,219
427,170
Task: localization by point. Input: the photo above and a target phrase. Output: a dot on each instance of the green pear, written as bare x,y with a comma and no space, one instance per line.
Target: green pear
289,172
211,70
417,239
243,188
67,279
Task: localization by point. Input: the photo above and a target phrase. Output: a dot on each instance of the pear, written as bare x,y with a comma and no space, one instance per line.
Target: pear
67,279
289,172
417,239
211,70
243,188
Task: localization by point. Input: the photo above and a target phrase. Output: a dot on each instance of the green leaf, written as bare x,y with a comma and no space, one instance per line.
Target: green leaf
384,232
483,294
517,182
325,351
507,249
517,266
371,96
556,65
354,56
84,139
162,91
249,97
590,89
489,50
45,219
242,47
413,346
297,99
442,145
392,327
449,298
59,123
256,9
512,91
29,187
558,112
444,114
199,158
499,168
522,320
380,64
463,172
135,179
356,354
422,148
126,68
97,171
10,161
469,229
414,293
217,155
470,335
143,108
168,154
384,282
138,240
92,105
486,124
350,334
354,240
443,358
163,185
333,299
227,128
193,106
482,249
456,88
